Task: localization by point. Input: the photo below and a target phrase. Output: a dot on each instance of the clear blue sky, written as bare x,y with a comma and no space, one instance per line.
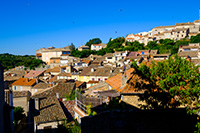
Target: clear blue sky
27,25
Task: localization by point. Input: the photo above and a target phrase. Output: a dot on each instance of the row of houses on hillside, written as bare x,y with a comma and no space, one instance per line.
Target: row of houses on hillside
175,32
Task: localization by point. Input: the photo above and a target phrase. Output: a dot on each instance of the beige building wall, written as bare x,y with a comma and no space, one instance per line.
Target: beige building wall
132,100
22,102
21,88
43,125
96,78
46,55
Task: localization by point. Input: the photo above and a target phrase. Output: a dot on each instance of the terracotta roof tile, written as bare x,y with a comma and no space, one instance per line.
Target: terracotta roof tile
25,82
115,81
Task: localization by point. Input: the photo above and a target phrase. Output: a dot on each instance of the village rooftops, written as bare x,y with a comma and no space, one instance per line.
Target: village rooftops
41,85
33,74
65,74
21,93
182,24
50,110
55,69
100,71
25,82
61,89
56,50
170,26
115,81
188,53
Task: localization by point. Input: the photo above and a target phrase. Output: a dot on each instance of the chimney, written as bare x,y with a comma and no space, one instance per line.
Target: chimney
92,69
123,79
111,71
37,103
57,95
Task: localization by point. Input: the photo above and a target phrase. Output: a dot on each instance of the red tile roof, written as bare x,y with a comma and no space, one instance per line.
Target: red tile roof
25,82
115,81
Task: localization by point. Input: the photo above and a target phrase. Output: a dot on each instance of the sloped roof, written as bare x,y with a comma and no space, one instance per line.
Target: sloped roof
41,85
50,110
55,69
115,81
65,74
61,88
33,74
78,83
100,71
25,82
188,53
69,105
21,93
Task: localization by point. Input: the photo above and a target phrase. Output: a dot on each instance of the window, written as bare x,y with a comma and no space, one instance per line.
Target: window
21,88
105,79
99,79
94,46
177,35
35,90
84,77
99,46
109,57
15,88
91,84
67,70
92,79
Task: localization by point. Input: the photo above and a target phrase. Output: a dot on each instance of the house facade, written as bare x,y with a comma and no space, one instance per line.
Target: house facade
97,47
53,52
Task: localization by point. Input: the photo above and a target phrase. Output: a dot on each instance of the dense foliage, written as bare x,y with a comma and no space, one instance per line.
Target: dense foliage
171,83
10,61
93,41
195,39
167,45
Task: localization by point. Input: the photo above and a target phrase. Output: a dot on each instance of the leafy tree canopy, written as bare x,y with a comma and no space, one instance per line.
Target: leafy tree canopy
171,83
93,41
9,61
116,43
195,39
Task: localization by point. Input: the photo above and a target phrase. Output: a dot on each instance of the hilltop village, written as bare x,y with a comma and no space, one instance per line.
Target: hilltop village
98,92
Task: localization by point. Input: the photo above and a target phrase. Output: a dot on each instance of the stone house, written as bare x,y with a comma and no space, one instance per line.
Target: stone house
24,84
21,98
97,47
40,87
83,47
54,52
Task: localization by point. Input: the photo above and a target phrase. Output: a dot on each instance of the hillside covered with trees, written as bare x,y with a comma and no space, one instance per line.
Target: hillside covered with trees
163,46
9,61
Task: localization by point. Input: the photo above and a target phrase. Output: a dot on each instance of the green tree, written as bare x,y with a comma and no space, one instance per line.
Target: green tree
72,47
171,83
116,43
93,41
18,115
152,45
195,39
